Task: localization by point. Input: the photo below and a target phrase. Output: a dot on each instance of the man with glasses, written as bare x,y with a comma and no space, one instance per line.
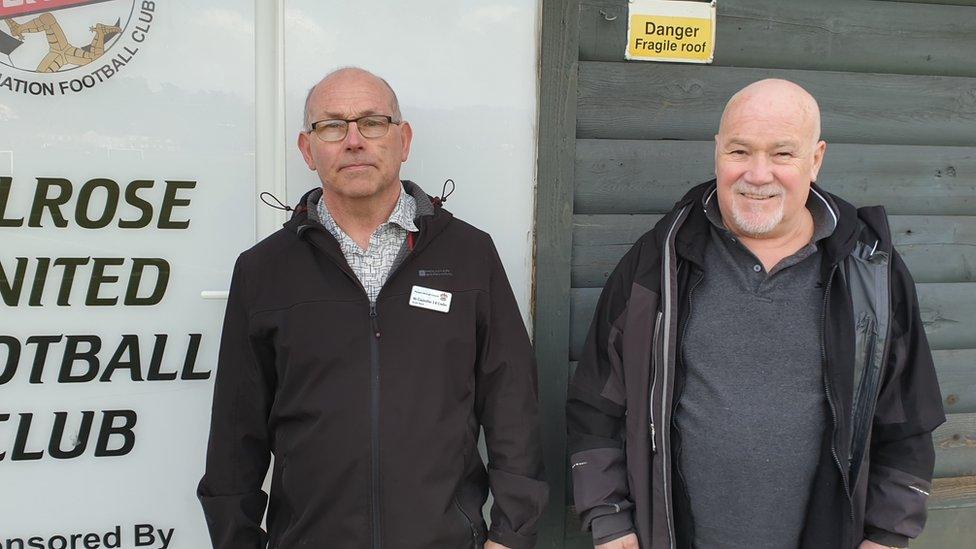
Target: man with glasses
365,345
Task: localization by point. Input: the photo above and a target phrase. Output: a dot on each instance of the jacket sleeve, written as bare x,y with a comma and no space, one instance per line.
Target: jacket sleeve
909,408
238,451
506,401
595,416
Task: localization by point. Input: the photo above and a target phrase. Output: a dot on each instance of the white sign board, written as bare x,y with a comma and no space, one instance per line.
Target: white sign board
126,190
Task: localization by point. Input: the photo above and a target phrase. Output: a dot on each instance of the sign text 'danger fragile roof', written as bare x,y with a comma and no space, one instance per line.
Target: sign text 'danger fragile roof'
668,30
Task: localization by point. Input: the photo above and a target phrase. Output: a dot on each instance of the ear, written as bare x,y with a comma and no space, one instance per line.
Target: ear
306,148
406,136
715,157
818,156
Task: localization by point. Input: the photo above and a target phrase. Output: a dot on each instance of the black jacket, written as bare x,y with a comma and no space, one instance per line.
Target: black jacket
372,413
622,438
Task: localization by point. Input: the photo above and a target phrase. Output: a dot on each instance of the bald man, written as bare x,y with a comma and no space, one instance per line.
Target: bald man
365,345
756,374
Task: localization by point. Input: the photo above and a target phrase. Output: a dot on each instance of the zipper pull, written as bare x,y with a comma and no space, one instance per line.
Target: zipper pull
653,444
372,318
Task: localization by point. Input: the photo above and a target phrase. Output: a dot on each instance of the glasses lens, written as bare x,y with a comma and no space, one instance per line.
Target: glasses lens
373,126
331,130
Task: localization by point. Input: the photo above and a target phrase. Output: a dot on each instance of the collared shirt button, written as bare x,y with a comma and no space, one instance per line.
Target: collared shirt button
757,267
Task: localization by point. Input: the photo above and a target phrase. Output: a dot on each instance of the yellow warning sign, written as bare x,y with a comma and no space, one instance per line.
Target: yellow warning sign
665,30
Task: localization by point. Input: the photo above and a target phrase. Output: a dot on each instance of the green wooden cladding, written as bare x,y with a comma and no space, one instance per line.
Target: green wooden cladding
553,246
620,142
664,101
826,35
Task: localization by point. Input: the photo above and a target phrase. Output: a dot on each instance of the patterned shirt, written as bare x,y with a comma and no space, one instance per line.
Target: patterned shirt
372,266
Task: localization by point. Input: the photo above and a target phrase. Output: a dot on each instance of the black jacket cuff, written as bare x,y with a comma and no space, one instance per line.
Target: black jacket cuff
610,527
884,537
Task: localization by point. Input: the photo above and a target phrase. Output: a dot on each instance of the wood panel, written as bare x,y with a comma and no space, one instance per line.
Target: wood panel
830,35
623,176
953,493
948,529
955,446
957,378
553,246
661,101
947,310
944,2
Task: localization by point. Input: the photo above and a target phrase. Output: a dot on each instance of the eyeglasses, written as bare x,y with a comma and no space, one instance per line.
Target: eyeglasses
370,127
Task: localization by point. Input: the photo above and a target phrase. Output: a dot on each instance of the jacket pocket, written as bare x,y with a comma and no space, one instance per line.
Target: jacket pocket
279,510
863,350
866,379
477,540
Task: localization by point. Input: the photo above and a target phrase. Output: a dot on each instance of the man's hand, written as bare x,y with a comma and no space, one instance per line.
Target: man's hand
627,542
492,545
868,544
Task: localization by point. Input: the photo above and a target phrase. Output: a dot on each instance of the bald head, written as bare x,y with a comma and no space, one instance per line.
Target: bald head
774,97
768,152
349,74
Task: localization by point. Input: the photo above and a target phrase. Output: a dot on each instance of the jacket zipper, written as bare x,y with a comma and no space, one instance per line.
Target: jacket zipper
865,389
374,383
665,353
374,412
475,538
865,397
374,390
827,390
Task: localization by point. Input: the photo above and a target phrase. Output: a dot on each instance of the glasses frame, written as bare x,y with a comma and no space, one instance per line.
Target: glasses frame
359,128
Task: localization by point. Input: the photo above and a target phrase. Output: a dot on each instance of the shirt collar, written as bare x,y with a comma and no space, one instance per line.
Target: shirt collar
402,215
404,211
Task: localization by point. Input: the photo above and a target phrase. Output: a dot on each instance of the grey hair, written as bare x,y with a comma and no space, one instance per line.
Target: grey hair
307,120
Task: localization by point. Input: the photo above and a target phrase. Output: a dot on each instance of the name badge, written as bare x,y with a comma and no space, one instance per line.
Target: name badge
428,298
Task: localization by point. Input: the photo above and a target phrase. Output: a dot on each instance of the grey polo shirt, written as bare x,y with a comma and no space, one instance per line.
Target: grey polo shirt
752,413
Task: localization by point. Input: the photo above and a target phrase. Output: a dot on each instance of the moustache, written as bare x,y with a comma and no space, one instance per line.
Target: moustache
767,190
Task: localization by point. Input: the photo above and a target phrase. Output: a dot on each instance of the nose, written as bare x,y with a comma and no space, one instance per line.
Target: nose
760,170
354,139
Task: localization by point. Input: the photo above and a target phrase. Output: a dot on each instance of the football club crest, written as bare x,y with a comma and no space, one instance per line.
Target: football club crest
58,47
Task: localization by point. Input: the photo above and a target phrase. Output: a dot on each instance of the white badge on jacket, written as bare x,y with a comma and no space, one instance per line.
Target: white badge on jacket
428,298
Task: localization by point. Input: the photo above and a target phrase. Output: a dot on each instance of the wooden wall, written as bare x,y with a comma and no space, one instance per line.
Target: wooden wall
621,141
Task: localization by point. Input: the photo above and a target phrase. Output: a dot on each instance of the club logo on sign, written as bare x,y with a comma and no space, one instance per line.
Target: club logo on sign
88,41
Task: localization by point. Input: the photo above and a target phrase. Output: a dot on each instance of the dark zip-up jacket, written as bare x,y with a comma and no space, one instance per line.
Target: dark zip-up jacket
874,470
372,411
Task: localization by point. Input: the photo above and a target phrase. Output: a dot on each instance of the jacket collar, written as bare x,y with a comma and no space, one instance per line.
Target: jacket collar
693,235
430,218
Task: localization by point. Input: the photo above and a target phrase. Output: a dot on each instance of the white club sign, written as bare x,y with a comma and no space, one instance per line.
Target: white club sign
127,189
